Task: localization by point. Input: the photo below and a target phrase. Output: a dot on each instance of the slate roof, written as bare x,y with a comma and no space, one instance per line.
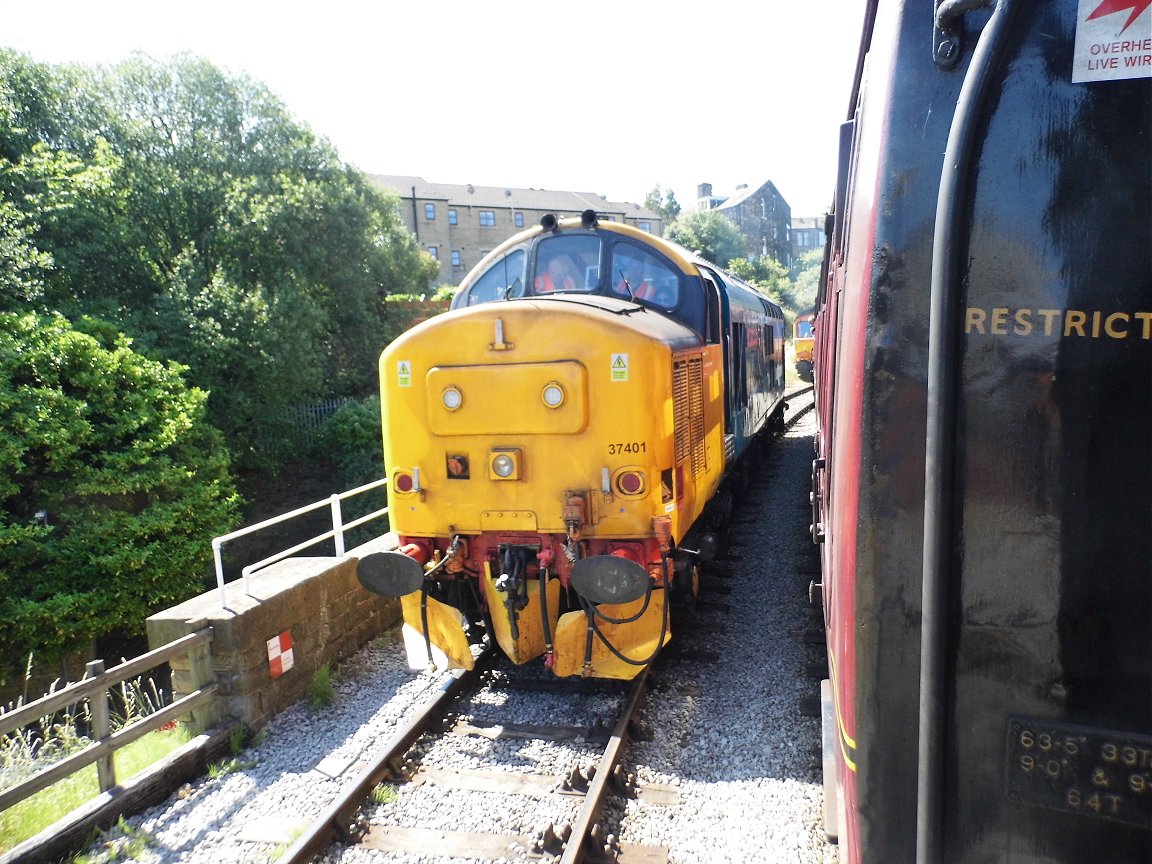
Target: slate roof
497,197
741,195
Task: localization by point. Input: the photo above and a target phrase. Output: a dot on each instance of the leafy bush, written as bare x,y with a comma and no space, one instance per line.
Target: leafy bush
112,485
351,438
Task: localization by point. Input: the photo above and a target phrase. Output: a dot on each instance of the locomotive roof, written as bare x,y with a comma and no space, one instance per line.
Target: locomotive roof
682,256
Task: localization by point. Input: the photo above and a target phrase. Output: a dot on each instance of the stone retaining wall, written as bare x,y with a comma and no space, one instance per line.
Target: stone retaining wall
314,608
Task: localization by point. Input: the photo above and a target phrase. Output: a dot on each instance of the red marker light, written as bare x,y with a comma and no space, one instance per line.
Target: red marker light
630,483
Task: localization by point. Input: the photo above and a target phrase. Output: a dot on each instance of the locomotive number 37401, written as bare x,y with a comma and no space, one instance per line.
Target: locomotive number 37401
627,447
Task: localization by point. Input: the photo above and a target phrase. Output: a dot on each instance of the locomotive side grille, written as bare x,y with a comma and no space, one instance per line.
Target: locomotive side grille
680,409
688,411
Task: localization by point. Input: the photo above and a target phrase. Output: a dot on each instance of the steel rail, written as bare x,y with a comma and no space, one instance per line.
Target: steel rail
576,846
334,822
794,416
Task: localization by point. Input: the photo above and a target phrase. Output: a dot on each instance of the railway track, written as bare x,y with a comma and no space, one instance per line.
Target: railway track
800,402
400,770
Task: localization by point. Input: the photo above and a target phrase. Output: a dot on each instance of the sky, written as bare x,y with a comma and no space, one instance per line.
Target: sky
612,98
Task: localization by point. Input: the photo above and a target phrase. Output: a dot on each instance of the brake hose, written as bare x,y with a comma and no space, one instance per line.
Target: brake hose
593,613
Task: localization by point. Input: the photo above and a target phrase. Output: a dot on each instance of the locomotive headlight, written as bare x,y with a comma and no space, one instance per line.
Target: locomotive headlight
553,395
452,398
504,464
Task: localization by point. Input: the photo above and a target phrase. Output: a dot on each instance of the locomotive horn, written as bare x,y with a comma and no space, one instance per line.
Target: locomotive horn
548,221
609,579
588,219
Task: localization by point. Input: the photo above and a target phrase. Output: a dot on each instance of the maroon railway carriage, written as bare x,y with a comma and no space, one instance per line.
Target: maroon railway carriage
983,475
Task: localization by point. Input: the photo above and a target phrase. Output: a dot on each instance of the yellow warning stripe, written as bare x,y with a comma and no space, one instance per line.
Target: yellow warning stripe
847,742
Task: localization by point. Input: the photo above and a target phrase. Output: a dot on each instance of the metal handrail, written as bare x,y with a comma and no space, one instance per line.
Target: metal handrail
336,534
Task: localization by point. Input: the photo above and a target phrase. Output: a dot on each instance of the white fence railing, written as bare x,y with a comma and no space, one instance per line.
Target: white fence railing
339,527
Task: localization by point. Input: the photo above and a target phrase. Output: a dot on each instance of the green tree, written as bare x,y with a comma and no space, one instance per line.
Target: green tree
765,273
21,264
186,207
663,203
808,279
111,483
709,234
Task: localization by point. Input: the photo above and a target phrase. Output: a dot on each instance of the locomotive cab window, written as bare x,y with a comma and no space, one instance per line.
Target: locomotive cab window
639,274
502,280
567,263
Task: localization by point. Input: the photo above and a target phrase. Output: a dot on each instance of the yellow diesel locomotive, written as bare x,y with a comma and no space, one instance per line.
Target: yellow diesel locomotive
563,444
803,343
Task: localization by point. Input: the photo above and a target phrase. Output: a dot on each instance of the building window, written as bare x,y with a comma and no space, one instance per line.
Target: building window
430,212
519,219
451,217
645,226
487,218
456,262
434,251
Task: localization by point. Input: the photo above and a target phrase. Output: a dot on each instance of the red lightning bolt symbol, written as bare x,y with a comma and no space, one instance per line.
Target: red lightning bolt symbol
1109,7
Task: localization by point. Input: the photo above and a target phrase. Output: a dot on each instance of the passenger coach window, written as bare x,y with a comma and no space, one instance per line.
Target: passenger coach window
639,273
504,279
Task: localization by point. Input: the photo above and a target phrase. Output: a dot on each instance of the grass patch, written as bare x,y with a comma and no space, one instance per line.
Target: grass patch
238,742
384,793
227,766
32,815
322,690
121,843
280,848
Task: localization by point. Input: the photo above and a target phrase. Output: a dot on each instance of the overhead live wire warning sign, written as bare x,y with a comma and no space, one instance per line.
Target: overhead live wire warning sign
1113,40
403,373
619,367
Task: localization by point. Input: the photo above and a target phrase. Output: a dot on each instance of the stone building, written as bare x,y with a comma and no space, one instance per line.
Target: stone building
807,234
459,224
761,214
